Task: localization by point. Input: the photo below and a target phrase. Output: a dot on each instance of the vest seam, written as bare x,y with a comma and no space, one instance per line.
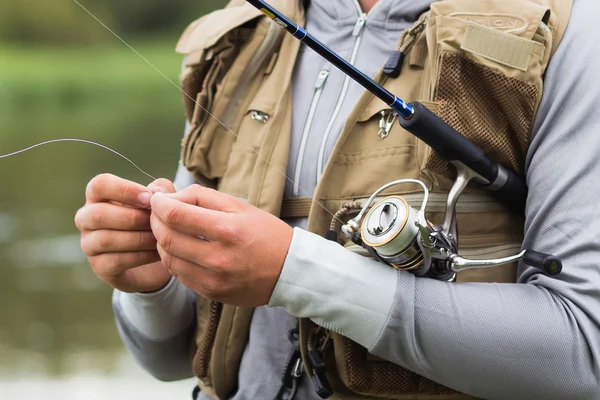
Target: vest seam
367,155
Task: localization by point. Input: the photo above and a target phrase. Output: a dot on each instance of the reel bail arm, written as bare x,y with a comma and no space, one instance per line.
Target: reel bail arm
464,176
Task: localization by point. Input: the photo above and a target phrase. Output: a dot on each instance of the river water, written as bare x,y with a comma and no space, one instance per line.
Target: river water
58,339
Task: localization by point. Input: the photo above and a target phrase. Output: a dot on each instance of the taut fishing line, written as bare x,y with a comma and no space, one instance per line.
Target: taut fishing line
195,102
78,141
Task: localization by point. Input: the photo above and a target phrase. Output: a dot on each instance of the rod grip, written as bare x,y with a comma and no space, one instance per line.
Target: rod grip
450,145
546,262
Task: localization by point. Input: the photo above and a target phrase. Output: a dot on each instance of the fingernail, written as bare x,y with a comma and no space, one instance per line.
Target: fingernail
144,198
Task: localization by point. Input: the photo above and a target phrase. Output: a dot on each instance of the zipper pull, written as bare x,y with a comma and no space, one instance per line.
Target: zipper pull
323,75
259,116
386,123
362,20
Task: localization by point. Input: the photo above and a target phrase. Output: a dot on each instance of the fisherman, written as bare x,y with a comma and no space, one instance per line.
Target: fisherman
211,283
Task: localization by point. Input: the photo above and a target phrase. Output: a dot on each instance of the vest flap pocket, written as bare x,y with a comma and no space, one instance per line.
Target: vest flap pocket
375,108
485,74
261,106
508,37
222,83
509,53
521,17
206,31
254,125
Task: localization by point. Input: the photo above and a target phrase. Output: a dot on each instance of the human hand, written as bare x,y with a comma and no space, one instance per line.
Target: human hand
241,256
116,234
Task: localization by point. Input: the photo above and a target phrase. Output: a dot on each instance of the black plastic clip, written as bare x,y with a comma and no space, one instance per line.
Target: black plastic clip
393,66
322,386
293,370
331,235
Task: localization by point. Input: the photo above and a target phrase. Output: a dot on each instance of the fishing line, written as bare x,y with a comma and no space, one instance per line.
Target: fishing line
199,105
78,141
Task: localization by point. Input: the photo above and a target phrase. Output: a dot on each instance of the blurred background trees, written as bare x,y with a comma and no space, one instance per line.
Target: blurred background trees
62,74
63,22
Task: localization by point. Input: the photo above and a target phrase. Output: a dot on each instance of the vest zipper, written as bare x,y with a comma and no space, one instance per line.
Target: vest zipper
266,48
386,123
259,116
319,84
358,34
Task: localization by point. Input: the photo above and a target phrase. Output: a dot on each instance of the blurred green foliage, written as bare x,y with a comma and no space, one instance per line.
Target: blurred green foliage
62,74
65,22
50,79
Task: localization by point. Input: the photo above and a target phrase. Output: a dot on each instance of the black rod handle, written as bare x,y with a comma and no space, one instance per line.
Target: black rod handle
450,145
546,262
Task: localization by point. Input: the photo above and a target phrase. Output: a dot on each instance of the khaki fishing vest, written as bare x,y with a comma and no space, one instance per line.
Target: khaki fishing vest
479,64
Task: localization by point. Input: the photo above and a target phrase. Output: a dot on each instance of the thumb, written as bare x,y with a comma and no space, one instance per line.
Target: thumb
162,186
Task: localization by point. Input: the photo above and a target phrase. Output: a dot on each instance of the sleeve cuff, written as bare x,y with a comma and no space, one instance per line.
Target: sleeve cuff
336,288
160,315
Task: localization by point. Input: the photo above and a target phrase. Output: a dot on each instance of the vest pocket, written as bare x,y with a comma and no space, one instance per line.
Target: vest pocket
367,374
484,74
223,66
246,149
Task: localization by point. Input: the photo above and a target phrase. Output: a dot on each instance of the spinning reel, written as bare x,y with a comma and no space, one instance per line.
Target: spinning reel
398,235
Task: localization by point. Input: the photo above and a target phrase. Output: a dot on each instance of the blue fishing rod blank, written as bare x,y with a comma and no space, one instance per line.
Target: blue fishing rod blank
417,119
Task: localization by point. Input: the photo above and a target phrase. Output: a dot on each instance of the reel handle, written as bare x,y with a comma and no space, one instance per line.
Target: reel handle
450,145
546,262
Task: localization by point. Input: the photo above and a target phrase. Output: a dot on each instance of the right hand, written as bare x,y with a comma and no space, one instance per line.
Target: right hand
116,234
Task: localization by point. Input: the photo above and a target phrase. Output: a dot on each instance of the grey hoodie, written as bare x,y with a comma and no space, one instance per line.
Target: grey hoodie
536,339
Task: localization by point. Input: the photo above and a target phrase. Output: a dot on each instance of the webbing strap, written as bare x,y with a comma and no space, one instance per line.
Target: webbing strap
295,207
498,46
418,55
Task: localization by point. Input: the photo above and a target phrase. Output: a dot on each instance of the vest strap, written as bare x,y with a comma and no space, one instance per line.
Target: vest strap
296,207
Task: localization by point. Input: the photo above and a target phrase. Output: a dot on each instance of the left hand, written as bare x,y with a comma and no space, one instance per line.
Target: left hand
239,262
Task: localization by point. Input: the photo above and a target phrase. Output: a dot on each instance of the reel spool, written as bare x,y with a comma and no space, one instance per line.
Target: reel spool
390,229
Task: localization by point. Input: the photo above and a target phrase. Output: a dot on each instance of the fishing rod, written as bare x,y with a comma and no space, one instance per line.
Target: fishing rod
417,119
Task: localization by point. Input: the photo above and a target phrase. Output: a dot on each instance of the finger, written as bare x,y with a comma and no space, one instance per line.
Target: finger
189,248
149,277
192,220
108,241
197,195
110,265
107,187
162,185
98,216
190,274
